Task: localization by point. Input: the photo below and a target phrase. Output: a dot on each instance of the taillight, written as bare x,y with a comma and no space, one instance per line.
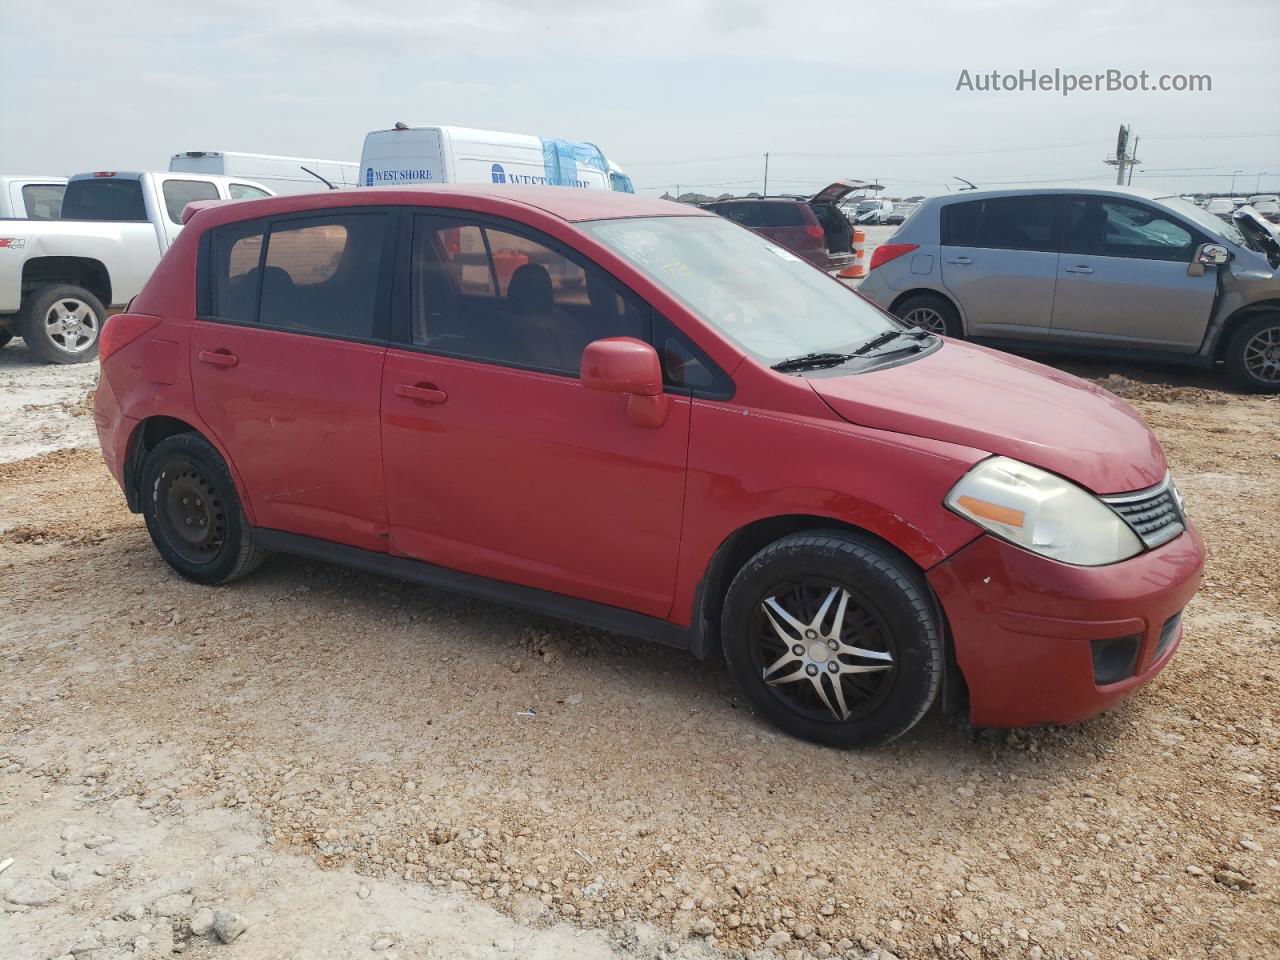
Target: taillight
105,173
890,251
815,231
121,330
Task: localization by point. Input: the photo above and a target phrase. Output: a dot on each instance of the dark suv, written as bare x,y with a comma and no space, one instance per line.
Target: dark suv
812,228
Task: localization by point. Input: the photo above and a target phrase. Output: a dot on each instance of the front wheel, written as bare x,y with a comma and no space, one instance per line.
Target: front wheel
1253,355
833,638
61,323
193,512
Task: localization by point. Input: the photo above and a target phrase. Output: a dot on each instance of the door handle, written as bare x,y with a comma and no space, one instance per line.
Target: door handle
1079,269
219,358
961,261
425,392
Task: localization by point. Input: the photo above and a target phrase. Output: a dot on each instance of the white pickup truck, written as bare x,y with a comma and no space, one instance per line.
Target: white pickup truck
59,278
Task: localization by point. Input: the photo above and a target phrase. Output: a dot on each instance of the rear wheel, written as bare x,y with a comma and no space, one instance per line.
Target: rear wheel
1253,355
193,512
833,638
930,312
61,323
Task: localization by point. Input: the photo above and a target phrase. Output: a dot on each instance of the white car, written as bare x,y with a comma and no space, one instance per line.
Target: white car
434,154
31,197
59,277
1221,207
872,211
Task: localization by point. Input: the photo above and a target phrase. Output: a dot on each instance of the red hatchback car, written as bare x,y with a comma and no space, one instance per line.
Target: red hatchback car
643,417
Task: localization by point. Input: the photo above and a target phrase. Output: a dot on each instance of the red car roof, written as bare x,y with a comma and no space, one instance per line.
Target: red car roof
567,203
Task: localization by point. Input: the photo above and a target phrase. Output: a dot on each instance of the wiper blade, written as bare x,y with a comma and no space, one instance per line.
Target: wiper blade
889,336
812,361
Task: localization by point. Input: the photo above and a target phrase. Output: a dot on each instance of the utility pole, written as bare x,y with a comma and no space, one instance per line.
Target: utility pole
1133,161
1123,157
766,175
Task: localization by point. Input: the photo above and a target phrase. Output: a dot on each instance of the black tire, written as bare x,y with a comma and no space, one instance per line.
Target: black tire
57,347
893,620
5,337
948,319
185,481
1253,354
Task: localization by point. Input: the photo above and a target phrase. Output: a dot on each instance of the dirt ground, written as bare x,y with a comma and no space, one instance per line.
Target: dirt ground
357,767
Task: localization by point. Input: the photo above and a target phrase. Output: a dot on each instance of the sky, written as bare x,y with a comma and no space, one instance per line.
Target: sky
690,93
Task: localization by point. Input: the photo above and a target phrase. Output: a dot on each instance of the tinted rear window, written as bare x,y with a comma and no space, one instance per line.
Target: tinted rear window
102,198
781,214
1002,223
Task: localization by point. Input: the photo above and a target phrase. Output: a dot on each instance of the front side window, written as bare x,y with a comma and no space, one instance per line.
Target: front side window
1102,227
42,201
178,193
1002,223
503,296
762,297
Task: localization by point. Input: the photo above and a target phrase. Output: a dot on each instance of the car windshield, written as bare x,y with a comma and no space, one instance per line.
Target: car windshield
1205,220
767,300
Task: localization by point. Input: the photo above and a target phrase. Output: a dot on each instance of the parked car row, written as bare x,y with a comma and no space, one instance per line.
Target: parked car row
640,416
1115,271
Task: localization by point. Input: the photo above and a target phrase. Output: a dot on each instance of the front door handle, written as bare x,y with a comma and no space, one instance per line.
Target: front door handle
424,392
960,261
1081,268
219,358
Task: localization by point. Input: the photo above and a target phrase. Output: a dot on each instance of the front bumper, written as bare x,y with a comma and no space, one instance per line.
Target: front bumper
1023,625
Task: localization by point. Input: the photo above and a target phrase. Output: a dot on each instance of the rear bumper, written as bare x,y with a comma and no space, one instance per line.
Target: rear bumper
114,430
1023,626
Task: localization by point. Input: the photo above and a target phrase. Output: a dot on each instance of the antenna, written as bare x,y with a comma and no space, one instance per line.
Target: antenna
318,177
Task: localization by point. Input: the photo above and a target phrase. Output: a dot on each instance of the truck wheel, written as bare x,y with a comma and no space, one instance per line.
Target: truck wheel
932,313
61,323
1253,355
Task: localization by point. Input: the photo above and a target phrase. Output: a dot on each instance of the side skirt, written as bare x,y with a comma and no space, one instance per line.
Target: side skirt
586,612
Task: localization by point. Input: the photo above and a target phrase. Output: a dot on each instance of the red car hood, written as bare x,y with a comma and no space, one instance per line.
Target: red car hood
997,402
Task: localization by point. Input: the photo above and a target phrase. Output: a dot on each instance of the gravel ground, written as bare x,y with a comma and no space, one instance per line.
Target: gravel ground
42,404
357,767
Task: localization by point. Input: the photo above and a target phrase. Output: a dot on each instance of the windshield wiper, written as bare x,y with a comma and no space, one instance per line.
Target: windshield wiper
888,337
812,361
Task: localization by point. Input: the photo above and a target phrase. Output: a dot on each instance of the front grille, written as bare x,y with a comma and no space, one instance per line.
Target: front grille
1153,514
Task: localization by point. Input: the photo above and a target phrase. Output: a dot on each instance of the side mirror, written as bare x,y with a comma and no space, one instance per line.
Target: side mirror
630,366
1209,255
1212,254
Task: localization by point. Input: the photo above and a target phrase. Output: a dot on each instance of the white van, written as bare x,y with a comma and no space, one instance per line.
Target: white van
428,154
283,175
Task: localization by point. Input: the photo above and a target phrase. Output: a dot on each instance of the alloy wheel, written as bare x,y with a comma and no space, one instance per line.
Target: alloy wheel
926,318
71,325
823,652
1262,355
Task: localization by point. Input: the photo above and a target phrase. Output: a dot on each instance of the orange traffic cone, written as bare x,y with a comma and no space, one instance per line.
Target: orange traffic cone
857,269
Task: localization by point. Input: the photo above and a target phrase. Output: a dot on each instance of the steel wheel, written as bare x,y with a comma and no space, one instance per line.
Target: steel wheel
927,318
72,325
192,513
1262,355
822,652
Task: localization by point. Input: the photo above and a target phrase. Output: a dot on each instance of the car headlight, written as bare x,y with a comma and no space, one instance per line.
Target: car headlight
1043,513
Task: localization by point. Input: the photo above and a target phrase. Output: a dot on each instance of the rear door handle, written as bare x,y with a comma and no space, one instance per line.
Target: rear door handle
961,261
1079,269
425,392
219,358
